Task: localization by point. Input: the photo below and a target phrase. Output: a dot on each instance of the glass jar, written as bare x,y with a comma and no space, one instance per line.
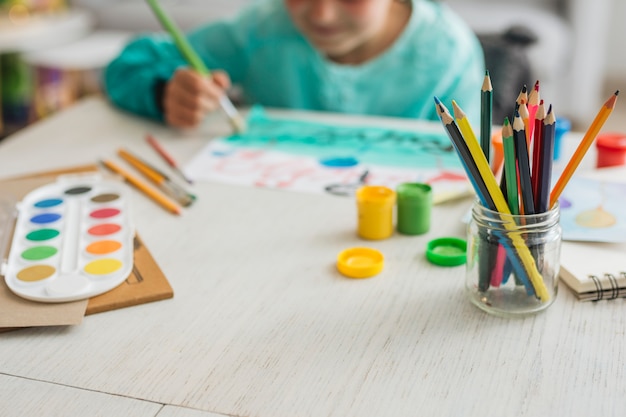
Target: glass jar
512,261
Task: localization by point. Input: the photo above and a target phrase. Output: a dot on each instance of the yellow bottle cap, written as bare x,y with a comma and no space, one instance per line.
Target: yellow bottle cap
360,262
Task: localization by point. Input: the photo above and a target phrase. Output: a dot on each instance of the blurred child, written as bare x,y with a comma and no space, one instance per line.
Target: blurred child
373,57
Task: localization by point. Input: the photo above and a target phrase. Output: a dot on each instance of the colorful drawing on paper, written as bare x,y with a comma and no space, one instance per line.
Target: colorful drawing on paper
301,155
593,210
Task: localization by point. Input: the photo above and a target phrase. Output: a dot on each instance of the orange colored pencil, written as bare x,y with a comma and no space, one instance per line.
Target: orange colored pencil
585,143
144,187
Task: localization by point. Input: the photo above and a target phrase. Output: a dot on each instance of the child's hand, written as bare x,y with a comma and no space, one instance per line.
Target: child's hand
189,96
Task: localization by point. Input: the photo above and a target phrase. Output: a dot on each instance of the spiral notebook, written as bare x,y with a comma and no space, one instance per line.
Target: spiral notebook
594,270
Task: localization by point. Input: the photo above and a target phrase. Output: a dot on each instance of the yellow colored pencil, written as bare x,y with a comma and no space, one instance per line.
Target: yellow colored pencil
585,143
501,205
151,192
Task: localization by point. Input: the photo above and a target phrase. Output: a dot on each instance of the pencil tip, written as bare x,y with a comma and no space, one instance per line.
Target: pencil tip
617,92
437,101
506,121
524,89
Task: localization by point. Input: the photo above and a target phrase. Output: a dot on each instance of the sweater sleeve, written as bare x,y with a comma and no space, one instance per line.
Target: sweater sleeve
132,79
135,79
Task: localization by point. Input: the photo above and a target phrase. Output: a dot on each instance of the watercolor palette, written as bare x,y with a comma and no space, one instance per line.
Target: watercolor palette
73,239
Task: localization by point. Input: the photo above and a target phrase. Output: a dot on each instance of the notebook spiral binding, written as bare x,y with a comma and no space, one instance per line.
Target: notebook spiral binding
611,293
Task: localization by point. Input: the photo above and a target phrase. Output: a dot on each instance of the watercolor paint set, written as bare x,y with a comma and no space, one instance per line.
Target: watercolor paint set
73,239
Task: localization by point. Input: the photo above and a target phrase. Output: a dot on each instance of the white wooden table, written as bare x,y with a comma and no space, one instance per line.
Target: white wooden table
261,324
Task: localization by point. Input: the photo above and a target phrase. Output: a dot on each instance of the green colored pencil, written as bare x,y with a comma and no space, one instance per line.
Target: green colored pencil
509,166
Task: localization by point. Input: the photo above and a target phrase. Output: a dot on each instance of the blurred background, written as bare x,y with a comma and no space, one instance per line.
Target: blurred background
52,51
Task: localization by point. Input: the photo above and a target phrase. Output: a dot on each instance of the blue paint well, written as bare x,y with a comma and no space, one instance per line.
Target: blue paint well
45,218
49,202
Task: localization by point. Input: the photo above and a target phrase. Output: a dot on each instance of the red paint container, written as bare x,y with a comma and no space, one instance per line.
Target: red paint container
611,149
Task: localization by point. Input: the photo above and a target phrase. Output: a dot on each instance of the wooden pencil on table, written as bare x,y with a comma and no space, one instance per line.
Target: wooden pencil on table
151,192
590,135
159,178
166,157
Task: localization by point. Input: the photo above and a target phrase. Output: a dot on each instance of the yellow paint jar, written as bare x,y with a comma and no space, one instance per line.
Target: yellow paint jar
375,208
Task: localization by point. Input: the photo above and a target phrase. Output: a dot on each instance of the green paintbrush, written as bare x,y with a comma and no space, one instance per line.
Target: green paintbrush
196,63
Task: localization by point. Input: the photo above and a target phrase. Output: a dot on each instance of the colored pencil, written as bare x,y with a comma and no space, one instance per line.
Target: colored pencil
488,249
603,114
456,137
195,62
161,179
490,195
151,192
486,109
166,156
537,150
525,116
545,162
510,167
523,166
533,105
522,97
524,262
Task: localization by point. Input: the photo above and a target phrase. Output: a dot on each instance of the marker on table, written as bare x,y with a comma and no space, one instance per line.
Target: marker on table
196,63
154,194
166,156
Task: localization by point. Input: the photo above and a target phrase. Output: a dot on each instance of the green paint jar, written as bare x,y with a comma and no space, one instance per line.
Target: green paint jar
415,201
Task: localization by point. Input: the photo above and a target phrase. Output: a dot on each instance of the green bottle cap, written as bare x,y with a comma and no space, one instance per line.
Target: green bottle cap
447,251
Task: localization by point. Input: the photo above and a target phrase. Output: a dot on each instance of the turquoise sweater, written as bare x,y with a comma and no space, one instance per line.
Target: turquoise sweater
262,51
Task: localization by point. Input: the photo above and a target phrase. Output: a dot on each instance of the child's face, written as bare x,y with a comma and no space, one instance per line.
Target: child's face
342,29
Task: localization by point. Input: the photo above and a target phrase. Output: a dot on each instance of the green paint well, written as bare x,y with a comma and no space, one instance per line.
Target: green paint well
42,234
38,253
